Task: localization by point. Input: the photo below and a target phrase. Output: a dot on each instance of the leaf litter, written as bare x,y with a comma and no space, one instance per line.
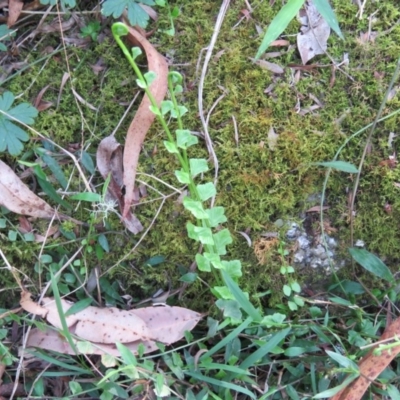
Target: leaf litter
314,33
103,327
123,167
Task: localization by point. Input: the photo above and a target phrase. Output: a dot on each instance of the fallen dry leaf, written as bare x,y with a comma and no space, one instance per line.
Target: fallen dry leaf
99,325
50,339
18,198
14,10
103,327
109,161
314,34
143,117
371,366
275,68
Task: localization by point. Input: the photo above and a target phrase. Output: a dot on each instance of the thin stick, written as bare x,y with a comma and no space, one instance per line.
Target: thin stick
221,15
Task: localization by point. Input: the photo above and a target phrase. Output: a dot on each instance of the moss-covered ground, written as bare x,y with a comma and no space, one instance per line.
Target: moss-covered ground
256,186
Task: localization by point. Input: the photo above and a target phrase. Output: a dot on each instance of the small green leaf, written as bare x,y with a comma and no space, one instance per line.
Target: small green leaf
127,356
325,9
156,260
195,207
181,111
202,263
136,52
200,233
275,319
339,165
198,166
327,394
12,236
87,161
183,177
166,107
371,263
136,14
279,24
103,242
287,291
79,306
143,85
190,277
299,301
233,268
230,308
87,196
295,287
185,139
222,239
216,216
171,147
292,305
206,191
11,135
150,77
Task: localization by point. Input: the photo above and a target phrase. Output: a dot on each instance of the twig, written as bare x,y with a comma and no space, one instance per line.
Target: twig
221,15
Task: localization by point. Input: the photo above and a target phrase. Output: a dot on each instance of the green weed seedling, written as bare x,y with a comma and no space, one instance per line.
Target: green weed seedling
92,29
292,288
226,273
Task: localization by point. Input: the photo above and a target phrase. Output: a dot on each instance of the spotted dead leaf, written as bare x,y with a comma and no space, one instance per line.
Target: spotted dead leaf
14,10
18,198
144,117
103,327
314,33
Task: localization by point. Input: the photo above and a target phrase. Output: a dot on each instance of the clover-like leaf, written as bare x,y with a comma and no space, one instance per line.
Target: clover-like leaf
11,135
136,14
222,239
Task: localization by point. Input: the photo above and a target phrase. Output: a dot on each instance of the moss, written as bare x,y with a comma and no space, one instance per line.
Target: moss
255,185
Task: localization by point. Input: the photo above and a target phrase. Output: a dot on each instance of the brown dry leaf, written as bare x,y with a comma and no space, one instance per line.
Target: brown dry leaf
144,117
18,198
49,339
14,10
371,366
167,324
314,34
275,68
280,42
30,306
39,103
103,327
109,161
99,325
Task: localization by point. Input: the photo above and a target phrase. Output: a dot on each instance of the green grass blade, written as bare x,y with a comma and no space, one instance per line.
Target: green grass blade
279,24
223,384
252,359
60,310
61,364
228,338
241,298
325,9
